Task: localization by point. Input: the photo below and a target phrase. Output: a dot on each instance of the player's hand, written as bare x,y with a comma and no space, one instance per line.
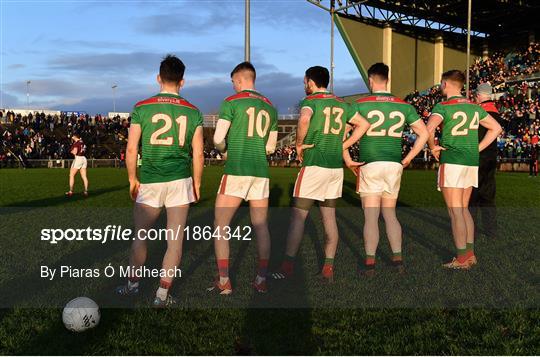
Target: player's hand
405,162
300,151
134,189
354,166
436,151
197,189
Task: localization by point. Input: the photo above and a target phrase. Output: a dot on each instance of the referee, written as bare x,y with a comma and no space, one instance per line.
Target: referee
483,198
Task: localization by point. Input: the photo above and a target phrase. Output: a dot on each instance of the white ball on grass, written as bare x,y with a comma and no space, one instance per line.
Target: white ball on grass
81,314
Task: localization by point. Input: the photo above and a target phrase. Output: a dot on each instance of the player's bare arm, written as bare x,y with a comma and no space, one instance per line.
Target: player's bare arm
271,142
493,130
132,150
432,125
361,125
422,135
349,162
197,145
301,131
222,128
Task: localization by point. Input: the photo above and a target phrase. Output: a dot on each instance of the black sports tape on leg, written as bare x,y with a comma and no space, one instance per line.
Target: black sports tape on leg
331,203
303,203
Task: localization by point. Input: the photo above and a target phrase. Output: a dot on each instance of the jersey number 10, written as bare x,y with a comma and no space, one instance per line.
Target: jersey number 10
260,122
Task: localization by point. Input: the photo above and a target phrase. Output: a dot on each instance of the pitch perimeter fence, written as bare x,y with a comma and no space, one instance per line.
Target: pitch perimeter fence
507,165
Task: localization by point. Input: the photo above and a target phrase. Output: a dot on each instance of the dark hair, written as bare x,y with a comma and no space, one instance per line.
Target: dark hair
454,75
319,75
378,69
244,66
171,69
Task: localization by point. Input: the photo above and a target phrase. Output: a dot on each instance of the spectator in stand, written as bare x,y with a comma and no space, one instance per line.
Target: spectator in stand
533,160
122,158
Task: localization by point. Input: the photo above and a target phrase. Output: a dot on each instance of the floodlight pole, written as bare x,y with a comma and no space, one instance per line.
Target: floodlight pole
469,15
332,10
28,94
332,24
114,97
247,45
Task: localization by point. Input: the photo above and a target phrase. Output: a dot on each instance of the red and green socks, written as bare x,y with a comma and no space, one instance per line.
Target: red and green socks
462,255
397,258
287,266
262,270
328,267
470,250
223,270
369,262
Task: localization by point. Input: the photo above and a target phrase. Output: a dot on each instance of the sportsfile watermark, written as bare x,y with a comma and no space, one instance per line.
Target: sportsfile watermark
109,271
118,233
59,253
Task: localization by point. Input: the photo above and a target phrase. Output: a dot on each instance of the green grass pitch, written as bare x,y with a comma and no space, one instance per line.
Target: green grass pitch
493,309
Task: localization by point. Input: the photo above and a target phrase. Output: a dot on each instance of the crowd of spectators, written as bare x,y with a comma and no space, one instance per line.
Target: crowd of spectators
517,101
503,67
41,136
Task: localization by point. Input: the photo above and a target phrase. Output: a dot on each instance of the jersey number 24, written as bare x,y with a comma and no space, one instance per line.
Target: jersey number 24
459,129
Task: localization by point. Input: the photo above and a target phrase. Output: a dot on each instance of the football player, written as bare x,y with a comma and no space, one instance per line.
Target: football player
319,146
379,179
169,128
78,150
458,154
246,132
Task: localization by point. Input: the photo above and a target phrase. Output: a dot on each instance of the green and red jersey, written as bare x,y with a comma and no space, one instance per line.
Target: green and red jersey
326,130
252,118
168,123
388,116
461,119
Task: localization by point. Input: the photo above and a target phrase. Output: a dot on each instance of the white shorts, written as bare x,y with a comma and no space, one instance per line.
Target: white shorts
79,162
169,194
319,183
246,187
380,178
457,176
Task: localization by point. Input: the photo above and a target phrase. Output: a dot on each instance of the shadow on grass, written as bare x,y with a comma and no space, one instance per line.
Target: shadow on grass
15,290
437,221
66,342
62,200
264,324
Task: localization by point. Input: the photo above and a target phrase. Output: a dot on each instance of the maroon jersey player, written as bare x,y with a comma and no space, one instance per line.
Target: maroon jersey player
78,150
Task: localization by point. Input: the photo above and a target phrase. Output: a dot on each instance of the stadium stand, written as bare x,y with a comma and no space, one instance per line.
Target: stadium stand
515,76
